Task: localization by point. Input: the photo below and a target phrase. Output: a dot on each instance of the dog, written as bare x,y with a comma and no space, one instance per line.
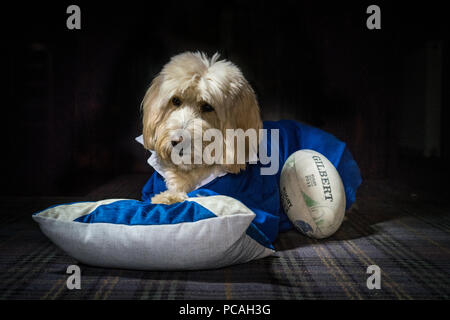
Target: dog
191,94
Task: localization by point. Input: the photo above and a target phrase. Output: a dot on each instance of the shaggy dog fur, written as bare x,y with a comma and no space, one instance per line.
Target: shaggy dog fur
194,92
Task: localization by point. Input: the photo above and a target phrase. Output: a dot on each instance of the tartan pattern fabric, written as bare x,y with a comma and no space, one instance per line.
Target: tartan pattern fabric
407,237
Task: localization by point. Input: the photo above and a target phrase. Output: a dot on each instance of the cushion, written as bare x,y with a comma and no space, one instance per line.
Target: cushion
201,233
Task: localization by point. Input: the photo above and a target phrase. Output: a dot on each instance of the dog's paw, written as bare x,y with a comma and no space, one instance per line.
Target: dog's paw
234,168
169,197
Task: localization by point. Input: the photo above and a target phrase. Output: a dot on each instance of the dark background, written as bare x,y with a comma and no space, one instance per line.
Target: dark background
70,106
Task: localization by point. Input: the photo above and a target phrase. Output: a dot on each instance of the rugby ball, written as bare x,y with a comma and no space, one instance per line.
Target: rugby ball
312,194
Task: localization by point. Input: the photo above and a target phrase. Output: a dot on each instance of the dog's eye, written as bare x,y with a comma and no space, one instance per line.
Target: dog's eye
176,102
207,108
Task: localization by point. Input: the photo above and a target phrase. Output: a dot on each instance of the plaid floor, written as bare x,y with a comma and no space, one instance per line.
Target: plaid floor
406,235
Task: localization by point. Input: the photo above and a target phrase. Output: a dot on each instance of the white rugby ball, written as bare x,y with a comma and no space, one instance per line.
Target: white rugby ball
312,194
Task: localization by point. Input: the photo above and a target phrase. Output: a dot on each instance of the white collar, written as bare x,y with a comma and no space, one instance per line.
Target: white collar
154,162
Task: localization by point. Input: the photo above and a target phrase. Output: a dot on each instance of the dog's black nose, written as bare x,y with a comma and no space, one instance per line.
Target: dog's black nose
175,142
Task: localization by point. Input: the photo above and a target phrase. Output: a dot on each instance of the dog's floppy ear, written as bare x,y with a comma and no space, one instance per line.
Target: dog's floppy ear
151,112
244,114
246,109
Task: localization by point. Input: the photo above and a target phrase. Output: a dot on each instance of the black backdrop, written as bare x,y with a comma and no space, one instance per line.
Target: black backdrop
71,110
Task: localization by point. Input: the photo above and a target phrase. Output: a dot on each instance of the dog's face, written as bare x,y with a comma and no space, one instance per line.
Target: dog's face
195,93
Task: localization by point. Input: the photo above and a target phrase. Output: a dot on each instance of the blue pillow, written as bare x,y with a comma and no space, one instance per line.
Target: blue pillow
200,233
